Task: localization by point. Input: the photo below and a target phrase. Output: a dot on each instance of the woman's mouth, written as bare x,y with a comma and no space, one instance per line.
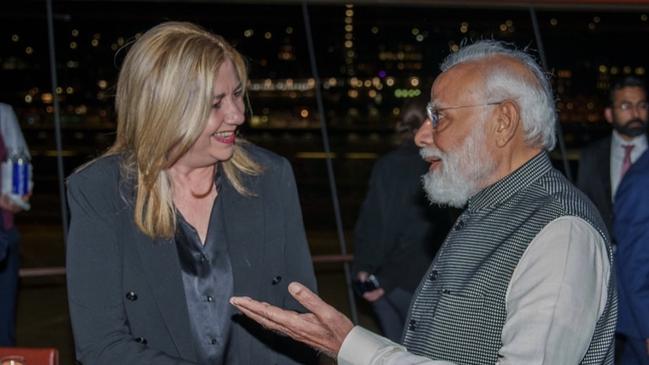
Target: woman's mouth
226,137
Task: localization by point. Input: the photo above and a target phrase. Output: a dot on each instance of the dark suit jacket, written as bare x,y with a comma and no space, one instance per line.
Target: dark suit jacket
594,177
398,231
631,231
125,290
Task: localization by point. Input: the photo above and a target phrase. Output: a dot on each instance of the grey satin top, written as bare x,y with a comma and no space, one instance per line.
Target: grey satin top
208,281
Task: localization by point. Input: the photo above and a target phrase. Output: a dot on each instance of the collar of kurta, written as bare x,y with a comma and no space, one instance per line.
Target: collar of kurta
506,187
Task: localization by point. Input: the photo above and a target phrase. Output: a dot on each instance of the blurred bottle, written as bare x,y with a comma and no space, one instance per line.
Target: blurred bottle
20,173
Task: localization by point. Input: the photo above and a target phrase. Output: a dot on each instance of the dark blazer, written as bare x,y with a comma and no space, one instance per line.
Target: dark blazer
631,231
594,177
398,231
125,290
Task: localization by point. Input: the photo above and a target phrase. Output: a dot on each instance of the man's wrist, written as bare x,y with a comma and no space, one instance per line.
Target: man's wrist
360,347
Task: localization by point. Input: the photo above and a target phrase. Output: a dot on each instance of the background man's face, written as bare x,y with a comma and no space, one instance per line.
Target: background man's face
629,114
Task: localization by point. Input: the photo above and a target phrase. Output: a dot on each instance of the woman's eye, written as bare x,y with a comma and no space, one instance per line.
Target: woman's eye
216,105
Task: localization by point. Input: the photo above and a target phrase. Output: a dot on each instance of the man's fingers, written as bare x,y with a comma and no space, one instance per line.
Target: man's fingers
263,314
309,328
259,319
311,301
301,327
374,295
261,310
285,321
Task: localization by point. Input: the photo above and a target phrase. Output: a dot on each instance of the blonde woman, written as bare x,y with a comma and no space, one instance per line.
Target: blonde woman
180,215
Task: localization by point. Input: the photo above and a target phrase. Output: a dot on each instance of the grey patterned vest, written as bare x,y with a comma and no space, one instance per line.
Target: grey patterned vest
459,309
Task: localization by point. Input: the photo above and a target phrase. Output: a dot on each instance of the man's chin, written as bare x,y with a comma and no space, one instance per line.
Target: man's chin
634,132
446,201
633,129
445,197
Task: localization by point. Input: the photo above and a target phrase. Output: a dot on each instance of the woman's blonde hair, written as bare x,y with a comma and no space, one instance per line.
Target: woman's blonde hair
163,100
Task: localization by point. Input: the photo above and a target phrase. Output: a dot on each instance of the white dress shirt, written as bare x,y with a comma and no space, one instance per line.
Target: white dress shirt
617,156
554,299
10,130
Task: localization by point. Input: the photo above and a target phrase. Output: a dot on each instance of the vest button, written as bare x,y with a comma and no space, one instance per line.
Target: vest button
276,280
412,325
459,226
132,296
141,340
433,275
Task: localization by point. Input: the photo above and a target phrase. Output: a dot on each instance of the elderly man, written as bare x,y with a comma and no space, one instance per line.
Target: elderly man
524,277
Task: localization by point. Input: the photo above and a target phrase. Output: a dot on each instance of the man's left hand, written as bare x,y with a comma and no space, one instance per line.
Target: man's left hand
374,295
324,328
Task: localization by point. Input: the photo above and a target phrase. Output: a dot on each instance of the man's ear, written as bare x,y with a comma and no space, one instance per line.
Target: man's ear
608,114
507,123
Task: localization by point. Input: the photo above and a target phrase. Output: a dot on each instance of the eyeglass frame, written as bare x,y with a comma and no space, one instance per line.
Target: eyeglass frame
432,114
626,106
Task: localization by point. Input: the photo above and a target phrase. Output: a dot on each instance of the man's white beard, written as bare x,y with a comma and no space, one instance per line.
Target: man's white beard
461,172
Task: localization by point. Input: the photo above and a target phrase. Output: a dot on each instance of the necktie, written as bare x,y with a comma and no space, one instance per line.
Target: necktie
626,163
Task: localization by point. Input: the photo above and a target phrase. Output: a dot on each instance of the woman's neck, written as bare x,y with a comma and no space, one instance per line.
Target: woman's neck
199,181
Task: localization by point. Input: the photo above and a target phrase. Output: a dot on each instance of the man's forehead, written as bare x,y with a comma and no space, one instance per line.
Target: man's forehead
630,93
459,80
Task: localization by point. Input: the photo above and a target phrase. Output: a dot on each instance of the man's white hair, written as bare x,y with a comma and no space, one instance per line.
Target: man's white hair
533,94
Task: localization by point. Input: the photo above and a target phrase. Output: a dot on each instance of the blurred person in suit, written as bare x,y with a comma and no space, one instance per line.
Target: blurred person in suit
631,232
398,231
604,162
11,141
180,214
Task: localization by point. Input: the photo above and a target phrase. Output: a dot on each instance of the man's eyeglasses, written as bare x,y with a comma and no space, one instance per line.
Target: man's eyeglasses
627,105
433,113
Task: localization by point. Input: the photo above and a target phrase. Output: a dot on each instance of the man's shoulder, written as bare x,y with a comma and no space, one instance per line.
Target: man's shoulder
5,111
557,194
639,170
598,145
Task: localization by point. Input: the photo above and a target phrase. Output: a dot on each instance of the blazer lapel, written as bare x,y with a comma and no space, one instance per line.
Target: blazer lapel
244,223
160,262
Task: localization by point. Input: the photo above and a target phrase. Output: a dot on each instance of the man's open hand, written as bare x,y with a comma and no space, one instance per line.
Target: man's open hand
324,328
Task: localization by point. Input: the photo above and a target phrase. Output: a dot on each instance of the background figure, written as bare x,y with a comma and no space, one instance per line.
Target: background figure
631,231
603,162
181,214
398,231
11,142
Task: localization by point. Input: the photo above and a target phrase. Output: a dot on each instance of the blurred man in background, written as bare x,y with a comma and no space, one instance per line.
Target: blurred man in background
604,162
398,231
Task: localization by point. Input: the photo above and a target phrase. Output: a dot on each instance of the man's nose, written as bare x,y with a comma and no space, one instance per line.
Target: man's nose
424,135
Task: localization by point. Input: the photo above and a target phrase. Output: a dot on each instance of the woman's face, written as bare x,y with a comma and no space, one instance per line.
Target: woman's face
216,142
